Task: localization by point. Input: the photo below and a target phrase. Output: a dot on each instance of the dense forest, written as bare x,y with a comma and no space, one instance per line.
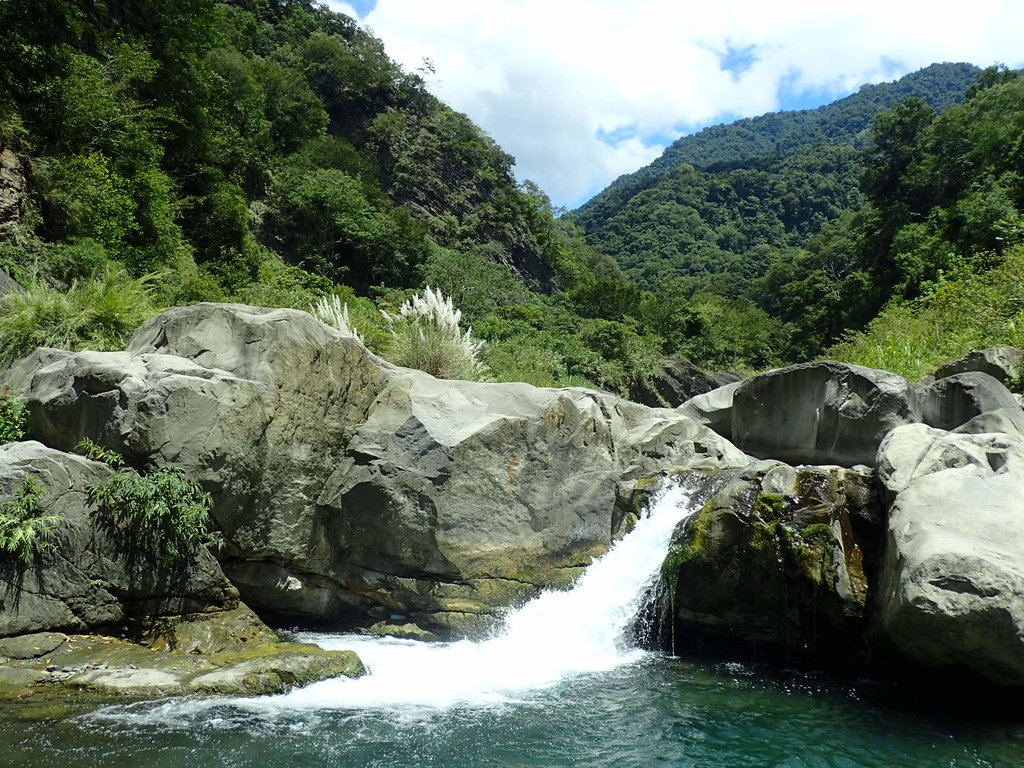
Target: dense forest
270,152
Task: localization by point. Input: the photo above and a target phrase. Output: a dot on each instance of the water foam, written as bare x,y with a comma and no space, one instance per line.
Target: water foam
554,636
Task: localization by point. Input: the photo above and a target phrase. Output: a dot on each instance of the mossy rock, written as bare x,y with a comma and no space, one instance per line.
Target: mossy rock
771,561
97,667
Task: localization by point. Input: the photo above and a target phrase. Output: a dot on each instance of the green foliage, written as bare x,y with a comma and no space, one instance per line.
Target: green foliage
97,313
24,530
162,514
475,282
706,205
96,452
13,415
966,311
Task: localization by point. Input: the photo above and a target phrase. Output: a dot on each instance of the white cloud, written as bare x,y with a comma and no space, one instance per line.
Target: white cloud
548,78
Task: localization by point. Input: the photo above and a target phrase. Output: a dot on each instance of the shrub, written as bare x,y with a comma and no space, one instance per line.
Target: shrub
12,417
162,515
24,531
97,452
426,335
97,313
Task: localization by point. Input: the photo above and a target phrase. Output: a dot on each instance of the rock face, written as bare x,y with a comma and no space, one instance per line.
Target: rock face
713,409
104,667
347,487
820,413
952,579
87,583
1001,363
676,382
776,560
955,399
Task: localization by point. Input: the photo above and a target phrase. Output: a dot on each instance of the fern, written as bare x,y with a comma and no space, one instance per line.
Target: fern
24,531
162,513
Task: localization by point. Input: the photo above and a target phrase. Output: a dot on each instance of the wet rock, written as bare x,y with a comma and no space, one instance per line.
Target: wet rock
105,666
776,560
209,633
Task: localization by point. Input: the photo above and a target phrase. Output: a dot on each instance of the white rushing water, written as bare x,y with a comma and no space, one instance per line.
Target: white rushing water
555,635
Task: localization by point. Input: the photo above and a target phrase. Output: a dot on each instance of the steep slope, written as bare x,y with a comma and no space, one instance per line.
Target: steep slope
714,201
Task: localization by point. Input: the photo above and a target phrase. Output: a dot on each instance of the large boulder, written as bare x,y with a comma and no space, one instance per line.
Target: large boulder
955,399
347,487
88,581
713,409
1001,363
675,383
820,413
776,560
951,588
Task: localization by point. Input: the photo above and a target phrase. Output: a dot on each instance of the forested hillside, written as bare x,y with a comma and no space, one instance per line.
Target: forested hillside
156,153
808,223
718,207
159,152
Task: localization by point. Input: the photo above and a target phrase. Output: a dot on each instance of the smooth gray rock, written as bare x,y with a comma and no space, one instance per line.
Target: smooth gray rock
713,409
999,420
820,413
1001,363
347,486
952,401
951,588
87,581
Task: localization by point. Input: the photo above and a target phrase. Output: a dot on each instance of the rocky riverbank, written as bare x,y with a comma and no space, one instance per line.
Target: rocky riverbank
854,515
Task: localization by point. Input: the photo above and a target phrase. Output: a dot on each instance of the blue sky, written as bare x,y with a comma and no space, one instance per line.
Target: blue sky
581,91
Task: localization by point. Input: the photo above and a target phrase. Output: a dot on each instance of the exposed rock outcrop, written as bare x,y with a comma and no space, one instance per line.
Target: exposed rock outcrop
952,578
1001,363
674,384
952,401
348,487
775,561
713,409
86,582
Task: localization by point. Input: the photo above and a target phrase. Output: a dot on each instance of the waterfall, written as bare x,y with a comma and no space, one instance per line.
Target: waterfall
554,636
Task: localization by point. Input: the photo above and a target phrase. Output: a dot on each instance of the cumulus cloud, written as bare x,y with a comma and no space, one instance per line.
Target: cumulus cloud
581,91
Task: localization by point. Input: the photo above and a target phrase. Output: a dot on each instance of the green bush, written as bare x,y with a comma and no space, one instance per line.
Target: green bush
24,531
965,311
96,452
12,417
98,313
162,514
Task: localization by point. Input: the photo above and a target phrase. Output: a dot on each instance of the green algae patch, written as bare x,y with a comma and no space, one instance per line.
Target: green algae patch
97,667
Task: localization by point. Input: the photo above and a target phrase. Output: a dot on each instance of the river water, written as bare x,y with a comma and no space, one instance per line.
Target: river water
560,685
